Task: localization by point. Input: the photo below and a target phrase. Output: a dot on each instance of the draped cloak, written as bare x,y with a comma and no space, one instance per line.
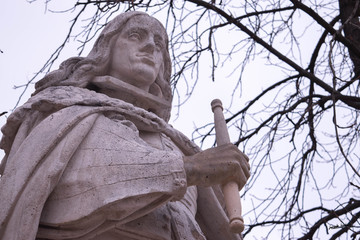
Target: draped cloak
42,137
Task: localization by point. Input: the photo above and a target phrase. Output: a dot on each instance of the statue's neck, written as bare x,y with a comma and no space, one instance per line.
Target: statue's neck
116,88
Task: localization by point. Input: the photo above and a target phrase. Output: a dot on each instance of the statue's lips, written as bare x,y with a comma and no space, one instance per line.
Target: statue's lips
147,59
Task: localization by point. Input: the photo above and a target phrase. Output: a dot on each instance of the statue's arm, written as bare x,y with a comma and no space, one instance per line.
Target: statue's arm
115,175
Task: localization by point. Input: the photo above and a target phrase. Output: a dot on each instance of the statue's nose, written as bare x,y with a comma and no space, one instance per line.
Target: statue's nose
149,46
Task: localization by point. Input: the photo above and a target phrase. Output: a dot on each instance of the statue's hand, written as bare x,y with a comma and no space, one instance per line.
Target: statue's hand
218,165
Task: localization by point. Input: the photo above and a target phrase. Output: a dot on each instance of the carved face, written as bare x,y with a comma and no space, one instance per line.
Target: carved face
137,53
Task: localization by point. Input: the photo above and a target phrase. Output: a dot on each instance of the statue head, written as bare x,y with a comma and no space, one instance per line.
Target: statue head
143,61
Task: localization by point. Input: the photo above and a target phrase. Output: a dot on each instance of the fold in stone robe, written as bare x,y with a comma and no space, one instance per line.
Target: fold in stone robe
61,170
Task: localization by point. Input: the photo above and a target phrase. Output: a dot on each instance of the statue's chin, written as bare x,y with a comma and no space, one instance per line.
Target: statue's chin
115,88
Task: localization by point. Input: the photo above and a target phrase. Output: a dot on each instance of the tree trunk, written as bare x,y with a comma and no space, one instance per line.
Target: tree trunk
350,20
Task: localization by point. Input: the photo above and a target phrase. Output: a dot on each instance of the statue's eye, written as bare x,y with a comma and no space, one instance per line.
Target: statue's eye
159,45
134,36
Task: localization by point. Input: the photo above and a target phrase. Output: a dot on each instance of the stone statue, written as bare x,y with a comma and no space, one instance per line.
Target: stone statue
91,155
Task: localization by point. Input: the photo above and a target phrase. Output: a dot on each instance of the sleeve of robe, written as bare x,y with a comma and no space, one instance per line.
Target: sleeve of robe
50,157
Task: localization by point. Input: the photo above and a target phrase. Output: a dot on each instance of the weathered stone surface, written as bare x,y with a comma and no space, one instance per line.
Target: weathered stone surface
91,156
